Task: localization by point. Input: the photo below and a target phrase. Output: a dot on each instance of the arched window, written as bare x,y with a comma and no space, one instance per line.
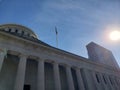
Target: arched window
104,79
97,78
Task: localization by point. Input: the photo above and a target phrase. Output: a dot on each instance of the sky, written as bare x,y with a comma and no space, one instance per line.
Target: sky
78,22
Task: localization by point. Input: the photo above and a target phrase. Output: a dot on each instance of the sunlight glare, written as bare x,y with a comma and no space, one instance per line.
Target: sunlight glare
115,35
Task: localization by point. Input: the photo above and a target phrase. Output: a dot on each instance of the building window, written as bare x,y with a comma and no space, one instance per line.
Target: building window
104,79
97,78
26,87
16,31
117,80
22,32
28,34
9,30
111,80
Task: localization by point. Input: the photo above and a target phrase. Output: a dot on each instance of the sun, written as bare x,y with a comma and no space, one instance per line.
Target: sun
114,35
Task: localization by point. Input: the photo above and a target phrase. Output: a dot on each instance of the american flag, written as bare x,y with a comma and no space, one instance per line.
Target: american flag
56,30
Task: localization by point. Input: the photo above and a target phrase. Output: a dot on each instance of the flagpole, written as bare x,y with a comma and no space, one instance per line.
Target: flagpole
56,37
57,40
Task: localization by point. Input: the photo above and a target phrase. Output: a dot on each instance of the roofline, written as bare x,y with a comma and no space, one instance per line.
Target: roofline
77,57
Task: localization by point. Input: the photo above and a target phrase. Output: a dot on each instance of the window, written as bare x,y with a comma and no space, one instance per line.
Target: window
104,79
117,80
9,30
16,31
97,78
110,80
22,32
26,87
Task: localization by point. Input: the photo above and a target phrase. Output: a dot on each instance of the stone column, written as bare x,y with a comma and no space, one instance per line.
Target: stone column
3,53
79,79
97,80
103,83
118,81
88,79
1,58
56,76
69,78
115,83
109,83
41,83
19,82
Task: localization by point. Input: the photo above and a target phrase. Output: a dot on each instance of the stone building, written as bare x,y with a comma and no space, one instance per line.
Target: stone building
27,63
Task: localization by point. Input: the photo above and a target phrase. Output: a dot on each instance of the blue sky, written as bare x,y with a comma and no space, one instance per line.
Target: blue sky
78,21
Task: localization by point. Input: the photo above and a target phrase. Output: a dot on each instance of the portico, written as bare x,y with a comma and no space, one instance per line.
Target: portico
32,64
21,70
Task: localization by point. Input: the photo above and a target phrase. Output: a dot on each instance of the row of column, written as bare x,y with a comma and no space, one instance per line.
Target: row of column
99,81
41,83
20,77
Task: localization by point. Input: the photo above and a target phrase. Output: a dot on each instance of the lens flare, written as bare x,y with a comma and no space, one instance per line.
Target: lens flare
115,35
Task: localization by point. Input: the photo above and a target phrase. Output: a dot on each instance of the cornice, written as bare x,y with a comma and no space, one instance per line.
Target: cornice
60,53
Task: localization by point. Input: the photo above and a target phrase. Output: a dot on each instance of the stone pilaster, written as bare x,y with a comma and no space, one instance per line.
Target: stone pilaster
19,82
56,76
2,55
69,78
41,83
88,79
79,79
109,83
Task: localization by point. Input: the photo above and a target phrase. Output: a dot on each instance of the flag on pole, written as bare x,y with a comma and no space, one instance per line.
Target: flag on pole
56,30
56,36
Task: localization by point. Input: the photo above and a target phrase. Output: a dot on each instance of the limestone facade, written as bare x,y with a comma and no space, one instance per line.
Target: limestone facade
31,64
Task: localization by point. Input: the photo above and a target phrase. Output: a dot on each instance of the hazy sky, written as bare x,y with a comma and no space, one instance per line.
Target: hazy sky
78,21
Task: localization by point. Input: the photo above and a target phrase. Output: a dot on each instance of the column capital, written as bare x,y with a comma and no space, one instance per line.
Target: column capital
77,69
3,50
68,66
55,62
23,55
41,59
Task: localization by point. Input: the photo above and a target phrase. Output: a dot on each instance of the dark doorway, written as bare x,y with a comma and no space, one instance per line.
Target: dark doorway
26,87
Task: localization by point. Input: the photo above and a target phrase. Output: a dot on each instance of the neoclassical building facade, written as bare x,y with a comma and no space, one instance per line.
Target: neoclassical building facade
27,63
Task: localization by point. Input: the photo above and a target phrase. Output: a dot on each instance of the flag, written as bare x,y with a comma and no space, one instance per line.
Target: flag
56,30
56,36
